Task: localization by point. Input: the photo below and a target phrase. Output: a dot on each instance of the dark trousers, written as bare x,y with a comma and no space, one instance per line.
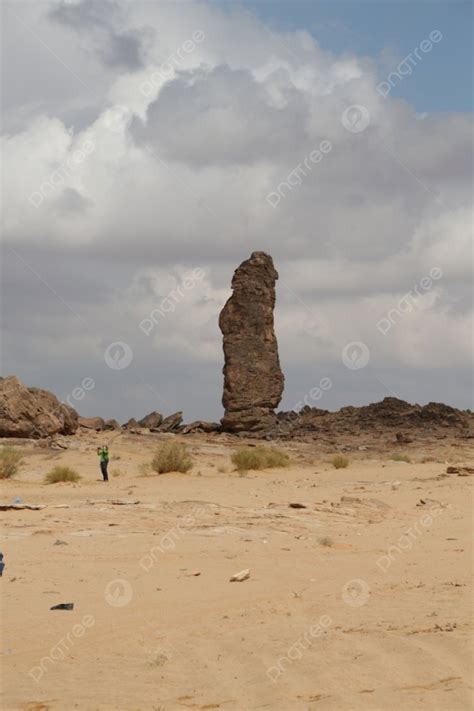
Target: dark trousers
103,469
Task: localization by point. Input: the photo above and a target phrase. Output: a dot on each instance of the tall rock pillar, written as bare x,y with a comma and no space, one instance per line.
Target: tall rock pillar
253,379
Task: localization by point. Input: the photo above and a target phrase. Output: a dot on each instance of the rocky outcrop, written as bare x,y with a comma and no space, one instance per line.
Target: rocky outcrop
92,423
170,423
31,412
201,426
131,424
154,419
111,425
403,419
253,379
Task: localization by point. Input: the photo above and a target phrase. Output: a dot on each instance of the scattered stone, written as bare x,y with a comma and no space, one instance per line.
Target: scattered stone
33,413
297,506
240,577
60,543
63,606
194,574
460,471
253,379
121,502
57,444
431,502
403,438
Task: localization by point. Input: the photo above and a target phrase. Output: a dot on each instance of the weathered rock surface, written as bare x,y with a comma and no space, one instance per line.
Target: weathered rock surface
391,415
92,423
170,423
32,412
131,424
253,379
111,425
201,426
154,419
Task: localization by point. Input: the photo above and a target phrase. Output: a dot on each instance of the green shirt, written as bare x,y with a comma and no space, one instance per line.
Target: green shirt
104,454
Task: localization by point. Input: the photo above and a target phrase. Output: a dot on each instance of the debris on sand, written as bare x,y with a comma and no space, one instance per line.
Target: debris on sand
240,577
63,606
461,471
20,507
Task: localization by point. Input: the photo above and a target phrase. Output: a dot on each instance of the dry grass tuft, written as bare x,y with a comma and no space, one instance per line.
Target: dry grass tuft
10,462
171,457
340,462
61,473
326,541
401,458
259,458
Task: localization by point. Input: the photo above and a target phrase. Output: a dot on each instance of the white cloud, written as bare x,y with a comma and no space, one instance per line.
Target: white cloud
178,178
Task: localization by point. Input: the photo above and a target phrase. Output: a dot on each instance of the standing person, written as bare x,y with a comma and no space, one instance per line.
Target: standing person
103,453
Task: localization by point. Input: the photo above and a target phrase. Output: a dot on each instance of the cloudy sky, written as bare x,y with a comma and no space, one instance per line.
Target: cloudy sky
150,147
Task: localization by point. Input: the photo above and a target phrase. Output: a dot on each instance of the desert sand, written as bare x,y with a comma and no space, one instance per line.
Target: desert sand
361,600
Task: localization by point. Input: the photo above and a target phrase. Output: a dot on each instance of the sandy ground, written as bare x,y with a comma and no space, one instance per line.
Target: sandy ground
359,603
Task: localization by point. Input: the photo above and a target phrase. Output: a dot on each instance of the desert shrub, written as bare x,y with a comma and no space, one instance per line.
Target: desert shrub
171,457
401,458
10,462
340,462
326,541
61,473
258,458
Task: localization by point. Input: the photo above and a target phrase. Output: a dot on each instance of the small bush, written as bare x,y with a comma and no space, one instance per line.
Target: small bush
340,462
259,458
326,541
401,458
10,462
61,473
171,457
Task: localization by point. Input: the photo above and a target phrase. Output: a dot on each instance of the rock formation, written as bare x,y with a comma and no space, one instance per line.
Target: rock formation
92,423
170,423
153,419
402,420
31,412
253,380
